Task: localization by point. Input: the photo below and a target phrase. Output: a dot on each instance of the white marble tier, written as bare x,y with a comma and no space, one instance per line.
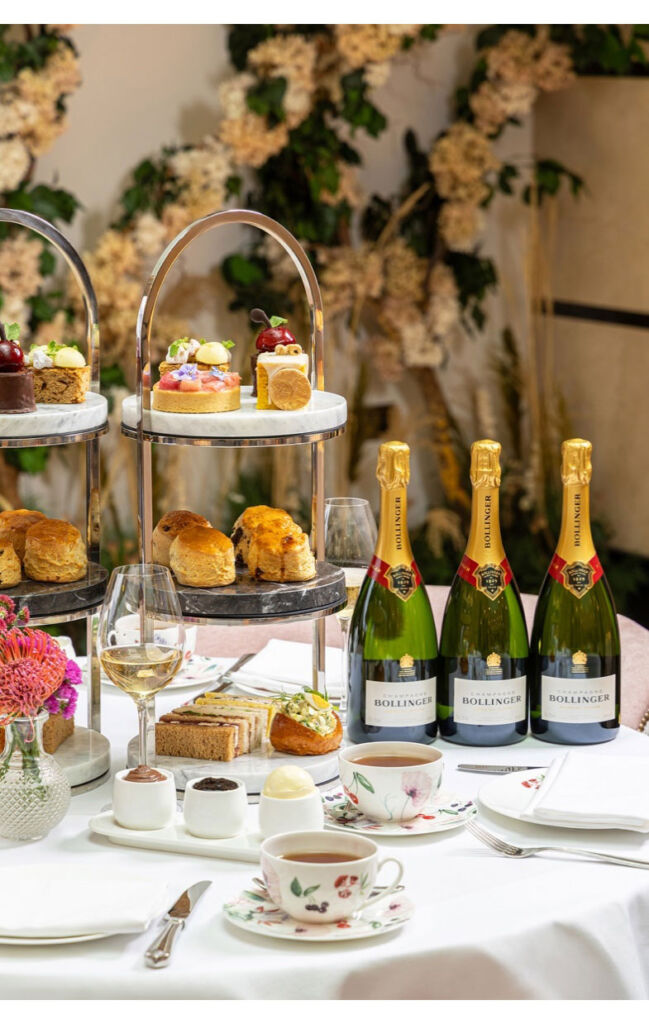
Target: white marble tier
52,421
325,412
84,756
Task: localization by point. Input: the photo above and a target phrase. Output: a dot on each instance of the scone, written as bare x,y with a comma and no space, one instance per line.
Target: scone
10,568
281,555
54,552
252,519
202,557
168,529
14,525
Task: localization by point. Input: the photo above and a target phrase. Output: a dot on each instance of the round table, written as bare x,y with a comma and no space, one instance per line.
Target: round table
484,926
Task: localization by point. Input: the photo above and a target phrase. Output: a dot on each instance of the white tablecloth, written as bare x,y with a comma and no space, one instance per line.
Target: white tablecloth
484,927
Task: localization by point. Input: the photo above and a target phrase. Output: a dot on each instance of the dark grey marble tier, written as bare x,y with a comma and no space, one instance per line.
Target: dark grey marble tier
54,599
251,600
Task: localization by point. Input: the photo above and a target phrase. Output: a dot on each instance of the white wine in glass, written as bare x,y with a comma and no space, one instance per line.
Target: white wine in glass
144,667
350,536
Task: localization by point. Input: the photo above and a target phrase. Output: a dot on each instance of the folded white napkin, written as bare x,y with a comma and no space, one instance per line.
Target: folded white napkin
57,900
288,665
593,791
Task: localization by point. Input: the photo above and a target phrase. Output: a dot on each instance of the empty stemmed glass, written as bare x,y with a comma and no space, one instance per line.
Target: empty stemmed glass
141,662
350,539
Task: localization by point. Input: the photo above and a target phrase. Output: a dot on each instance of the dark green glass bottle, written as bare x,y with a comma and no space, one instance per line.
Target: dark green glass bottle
575,648
482,685
392,638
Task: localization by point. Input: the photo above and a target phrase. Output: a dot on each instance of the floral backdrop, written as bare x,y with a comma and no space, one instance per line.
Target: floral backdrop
404,274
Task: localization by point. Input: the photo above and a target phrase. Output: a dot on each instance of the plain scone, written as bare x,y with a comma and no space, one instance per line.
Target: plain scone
202,557
14,524
54,552
10,568
168,529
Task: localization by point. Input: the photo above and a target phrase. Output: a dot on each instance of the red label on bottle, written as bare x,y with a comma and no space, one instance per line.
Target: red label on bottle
489,579
577,577
401,580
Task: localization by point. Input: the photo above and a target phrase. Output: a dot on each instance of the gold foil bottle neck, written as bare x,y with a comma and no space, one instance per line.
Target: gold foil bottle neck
485,463
576,465
393,467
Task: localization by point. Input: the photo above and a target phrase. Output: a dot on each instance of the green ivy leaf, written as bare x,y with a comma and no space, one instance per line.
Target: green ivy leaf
46,262
296,888
238,269
28,460
243,38
266,98
51,203
233,185
356,108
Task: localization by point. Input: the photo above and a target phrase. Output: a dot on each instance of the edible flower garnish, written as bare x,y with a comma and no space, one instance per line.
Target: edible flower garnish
189,371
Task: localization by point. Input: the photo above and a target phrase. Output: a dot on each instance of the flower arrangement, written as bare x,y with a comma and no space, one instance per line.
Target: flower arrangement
35,674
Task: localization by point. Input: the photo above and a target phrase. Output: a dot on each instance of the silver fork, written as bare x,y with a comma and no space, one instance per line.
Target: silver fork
509,850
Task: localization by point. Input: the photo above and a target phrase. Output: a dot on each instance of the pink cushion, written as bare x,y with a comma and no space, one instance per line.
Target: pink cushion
231,641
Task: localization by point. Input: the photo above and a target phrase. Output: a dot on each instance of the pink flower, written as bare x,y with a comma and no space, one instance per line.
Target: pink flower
417,786
32,667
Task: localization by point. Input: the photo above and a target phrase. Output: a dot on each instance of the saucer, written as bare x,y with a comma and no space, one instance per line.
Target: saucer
255,913
446,812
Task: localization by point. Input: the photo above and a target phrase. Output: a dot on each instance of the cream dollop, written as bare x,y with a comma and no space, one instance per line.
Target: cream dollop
180,352
213,353
39,359
69,358
288,783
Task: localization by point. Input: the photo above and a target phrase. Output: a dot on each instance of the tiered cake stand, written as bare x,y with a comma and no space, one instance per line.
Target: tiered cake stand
245,602
84,756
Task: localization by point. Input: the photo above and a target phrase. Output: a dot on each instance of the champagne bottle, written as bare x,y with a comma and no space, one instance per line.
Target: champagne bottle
575,649
392,641
482,692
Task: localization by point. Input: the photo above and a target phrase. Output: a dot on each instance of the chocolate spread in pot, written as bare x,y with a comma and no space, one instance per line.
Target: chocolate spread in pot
143,773
216,785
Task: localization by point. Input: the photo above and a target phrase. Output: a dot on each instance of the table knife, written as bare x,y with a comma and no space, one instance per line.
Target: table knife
500,769
223,679
159,952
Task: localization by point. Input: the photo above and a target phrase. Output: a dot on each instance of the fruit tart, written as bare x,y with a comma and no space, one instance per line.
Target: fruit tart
16,382
189,389
61,376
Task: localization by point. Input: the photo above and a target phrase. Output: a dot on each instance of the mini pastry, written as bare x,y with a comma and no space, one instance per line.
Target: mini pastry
305,724
15,523
249,521
273,333
292,390
168,529
206,355
189,389
16,382
10,568
54,552
202,557
61,376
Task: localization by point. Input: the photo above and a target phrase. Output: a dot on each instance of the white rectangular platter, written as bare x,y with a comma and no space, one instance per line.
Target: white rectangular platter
176,838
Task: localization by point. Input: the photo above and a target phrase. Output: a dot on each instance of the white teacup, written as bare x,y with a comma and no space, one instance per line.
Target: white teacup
215,814
144,805
390,793
127,629
320,893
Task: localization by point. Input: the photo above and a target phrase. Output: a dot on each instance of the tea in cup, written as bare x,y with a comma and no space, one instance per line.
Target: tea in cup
390,781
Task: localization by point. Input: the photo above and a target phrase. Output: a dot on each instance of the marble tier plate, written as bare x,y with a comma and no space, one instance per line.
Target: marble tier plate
56,424
324,417
53,599
253,600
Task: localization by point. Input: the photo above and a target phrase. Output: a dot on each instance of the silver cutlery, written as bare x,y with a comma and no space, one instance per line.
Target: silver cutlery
509,850
500,769
159,952
223,679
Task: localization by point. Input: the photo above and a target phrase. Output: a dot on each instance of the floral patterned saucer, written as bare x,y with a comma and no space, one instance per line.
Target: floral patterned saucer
445,812
255,912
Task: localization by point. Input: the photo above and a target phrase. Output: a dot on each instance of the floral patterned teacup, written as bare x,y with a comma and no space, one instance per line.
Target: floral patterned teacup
322,893
390,793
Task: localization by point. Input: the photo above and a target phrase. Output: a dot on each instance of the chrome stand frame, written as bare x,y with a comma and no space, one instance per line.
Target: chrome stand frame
307,275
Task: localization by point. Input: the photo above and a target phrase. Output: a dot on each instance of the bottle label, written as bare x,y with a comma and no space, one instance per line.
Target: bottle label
577,577
400,704
489,702
401,580
489,578
578,701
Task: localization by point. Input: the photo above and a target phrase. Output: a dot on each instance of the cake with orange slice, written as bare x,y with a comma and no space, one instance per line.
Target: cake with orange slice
282,378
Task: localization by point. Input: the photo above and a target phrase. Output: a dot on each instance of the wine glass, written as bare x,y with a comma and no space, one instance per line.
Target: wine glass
139,661
350,539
